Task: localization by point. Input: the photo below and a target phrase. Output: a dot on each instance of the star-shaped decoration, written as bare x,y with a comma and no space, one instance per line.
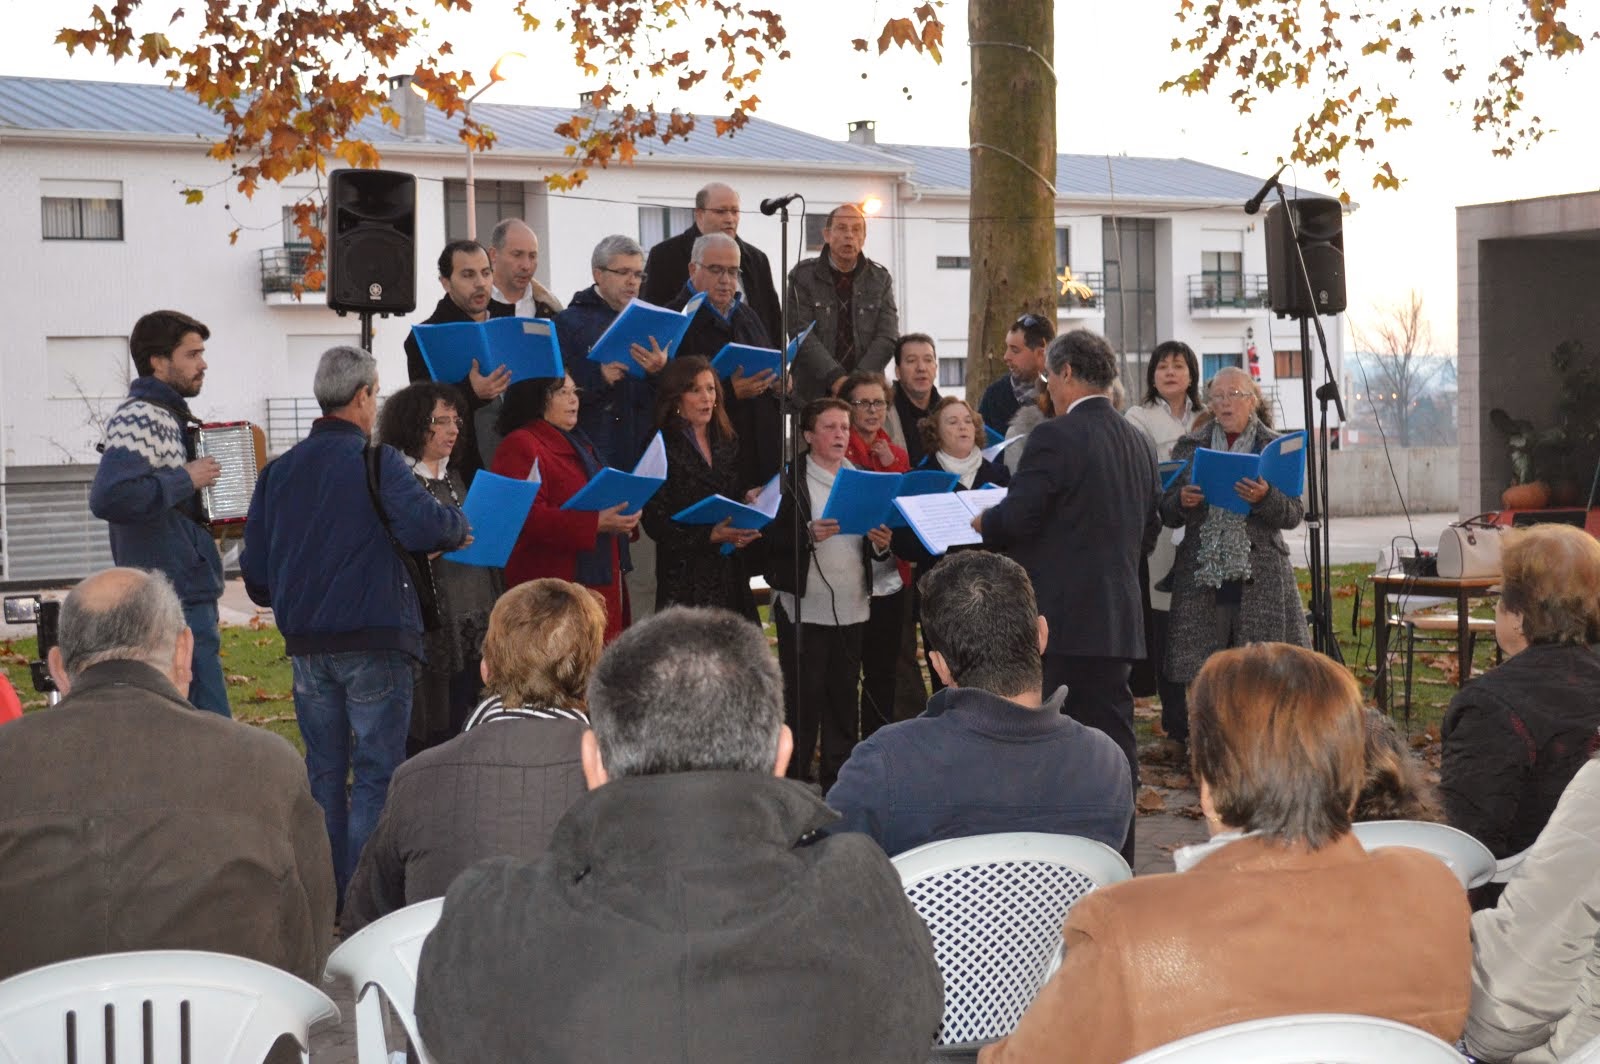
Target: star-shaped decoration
1071,286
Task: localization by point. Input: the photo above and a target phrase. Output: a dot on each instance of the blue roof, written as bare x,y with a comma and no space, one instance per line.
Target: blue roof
1096,176
52,104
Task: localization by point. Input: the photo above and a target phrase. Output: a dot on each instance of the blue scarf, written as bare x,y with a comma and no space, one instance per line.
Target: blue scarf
594,566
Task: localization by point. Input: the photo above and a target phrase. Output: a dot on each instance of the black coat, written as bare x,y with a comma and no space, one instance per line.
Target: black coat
1513,739
690,569
465,459
667,271
757,421
677,918
1080,515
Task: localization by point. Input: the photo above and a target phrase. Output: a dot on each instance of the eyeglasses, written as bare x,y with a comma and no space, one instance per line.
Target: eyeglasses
721,210
1235,396
634,275
442,422
1031,321
869,404
719,271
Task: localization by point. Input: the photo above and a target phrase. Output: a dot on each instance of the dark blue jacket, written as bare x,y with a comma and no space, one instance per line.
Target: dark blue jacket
620,417
978,764
999,404
315,552
143,492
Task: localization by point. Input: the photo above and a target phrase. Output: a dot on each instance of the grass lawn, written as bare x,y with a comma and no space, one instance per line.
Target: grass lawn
260,680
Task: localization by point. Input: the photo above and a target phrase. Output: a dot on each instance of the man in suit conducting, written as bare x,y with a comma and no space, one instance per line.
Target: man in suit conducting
1080,513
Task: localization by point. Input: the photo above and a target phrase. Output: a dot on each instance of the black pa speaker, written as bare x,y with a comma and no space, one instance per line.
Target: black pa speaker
372,250
1321,226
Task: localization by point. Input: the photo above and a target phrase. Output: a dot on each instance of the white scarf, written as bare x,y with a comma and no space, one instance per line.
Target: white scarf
964,468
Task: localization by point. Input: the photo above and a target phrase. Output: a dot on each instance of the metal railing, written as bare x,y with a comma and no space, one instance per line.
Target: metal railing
1094,279
289,422
1228,291
283,268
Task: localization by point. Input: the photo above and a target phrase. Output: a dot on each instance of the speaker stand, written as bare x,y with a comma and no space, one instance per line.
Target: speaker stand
366,331
1317,523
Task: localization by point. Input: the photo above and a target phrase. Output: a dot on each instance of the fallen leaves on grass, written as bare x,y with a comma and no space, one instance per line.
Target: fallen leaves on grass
264,695
237,679
1150,800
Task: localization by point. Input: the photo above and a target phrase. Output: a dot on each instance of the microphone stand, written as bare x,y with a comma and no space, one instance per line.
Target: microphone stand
1322,634
791,450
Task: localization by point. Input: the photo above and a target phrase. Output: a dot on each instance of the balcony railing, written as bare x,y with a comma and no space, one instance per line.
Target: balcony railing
1094,279
1228,291
289,422
283,268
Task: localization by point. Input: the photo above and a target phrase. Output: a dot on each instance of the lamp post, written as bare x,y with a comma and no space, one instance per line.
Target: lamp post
496,74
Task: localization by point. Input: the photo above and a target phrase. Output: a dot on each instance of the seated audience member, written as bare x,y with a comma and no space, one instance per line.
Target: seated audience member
129,821
1536,955
1289,916
686,896
1516,735
1395,787
500,786
996,757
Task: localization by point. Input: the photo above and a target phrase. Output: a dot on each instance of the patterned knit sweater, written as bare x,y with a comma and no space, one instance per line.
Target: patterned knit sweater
143,492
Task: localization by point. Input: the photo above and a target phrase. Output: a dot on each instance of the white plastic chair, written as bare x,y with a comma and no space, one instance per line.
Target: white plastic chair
188,1004
383,957
1507,866
1312,1038
1468,858
994,905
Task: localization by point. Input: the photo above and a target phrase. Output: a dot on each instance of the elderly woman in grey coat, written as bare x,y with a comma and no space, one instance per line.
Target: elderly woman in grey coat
1232,582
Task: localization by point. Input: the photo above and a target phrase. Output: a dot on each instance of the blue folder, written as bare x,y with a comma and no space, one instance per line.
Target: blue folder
749,360
612,486
496,507
861,501
1281,463
526,346
1170,471
748,516
638,323
991,436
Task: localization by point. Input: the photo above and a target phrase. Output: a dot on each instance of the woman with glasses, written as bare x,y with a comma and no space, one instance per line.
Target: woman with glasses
1232,582
871,449
424,423
539,422
1171,404
692,566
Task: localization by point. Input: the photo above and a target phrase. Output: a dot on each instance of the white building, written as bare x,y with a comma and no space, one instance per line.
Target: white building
98,232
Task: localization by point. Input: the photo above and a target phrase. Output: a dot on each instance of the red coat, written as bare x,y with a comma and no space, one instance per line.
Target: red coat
860,455
552,538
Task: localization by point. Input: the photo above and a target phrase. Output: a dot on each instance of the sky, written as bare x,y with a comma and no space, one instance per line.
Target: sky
1110,59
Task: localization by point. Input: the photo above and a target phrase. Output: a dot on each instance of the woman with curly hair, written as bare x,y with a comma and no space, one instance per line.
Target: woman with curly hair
424,423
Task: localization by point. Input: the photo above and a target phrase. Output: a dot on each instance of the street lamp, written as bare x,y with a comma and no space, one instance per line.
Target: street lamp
497,73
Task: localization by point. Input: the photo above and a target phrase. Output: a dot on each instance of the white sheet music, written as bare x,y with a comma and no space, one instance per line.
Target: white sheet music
653,463
771,495
945,520
992,452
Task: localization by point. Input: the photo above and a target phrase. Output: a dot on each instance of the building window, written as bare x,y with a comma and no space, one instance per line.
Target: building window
1288,364
292,236
492,201
1130,293
80,210
814,226
1222,277
658,223
1212,364
953,262
952,373
1063,249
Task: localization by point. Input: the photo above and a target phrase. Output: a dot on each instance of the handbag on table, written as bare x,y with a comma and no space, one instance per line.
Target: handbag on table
1470,549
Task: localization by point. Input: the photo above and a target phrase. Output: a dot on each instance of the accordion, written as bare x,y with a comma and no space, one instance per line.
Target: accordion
241,449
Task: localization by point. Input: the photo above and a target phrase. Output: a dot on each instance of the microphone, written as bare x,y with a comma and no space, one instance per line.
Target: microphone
777,203
1252,205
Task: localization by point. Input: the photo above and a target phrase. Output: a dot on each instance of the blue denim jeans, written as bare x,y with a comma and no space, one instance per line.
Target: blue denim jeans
354,710
207,689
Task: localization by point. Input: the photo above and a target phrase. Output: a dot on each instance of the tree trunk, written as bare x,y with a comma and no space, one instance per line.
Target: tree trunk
1012,126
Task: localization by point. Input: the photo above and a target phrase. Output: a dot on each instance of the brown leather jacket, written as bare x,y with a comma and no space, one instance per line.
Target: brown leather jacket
1253,930
129,821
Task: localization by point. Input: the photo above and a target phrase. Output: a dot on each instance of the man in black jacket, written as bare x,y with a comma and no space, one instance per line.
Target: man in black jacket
686,909
467,280
716,210
1080,514
723,319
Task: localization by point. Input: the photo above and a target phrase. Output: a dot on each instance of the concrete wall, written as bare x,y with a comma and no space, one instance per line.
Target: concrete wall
1526,276
1360,484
